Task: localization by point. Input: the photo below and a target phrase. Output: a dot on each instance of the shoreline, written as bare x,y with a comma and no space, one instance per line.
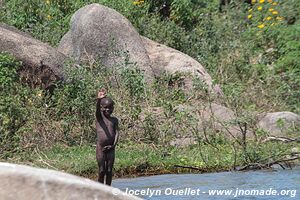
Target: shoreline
146,160
116,176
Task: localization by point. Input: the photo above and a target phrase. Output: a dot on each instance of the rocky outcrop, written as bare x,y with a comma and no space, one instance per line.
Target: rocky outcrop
203,119
279,123
26,183
221,119
99,32
167,59
41,64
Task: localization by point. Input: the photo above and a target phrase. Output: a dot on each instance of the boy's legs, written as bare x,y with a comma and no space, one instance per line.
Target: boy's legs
101,164
110,163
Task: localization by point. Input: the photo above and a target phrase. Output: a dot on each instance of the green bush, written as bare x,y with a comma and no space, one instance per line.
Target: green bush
13,110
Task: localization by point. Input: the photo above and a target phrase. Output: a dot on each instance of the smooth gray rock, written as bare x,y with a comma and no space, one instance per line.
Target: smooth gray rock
99,32
18,182
279,123
164,58
41,64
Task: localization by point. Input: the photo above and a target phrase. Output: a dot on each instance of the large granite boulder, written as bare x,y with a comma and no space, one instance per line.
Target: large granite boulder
279,123
164,58
41,64
99,32
26,183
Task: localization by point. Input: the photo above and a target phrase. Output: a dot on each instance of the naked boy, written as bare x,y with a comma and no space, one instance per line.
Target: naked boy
107,136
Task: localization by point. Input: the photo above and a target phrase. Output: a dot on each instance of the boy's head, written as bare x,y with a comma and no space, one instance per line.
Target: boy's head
107,106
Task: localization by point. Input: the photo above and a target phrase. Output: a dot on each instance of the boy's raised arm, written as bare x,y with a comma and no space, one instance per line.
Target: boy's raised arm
101,94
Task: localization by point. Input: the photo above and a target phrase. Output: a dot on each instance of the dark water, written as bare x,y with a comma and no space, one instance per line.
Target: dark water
281,184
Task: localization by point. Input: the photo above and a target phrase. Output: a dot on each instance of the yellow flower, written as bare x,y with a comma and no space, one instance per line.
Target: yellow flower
253,1
261,1
270,1
275,12
275,4
49,17
279,18
138,2
269,18
261,26
259,8
271,9
249,16
48,2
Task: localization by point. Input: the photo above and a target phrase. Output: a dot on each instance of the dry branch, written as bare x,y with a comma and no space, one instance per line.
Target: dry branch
281,139
256,166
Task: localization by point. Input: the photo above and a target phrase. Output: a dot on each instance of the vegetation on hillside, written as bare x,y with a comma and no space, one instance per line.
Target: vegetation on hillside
252,52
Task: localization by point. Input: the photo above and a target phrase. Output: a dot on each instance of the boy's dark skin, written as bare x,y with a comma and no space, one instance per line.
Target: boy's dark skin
107,137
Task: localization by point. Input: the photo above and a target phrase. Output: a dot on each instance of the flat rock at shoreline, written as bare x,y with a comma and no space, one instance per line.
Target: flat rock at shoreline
20,182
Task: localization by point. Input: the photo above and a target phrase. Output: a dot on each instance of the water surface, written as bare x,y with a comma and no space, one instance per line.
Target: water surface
280,184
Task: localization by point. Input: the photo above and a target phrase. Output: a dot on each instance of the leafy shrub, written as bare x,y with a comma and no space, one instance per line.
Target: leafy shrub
13,111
